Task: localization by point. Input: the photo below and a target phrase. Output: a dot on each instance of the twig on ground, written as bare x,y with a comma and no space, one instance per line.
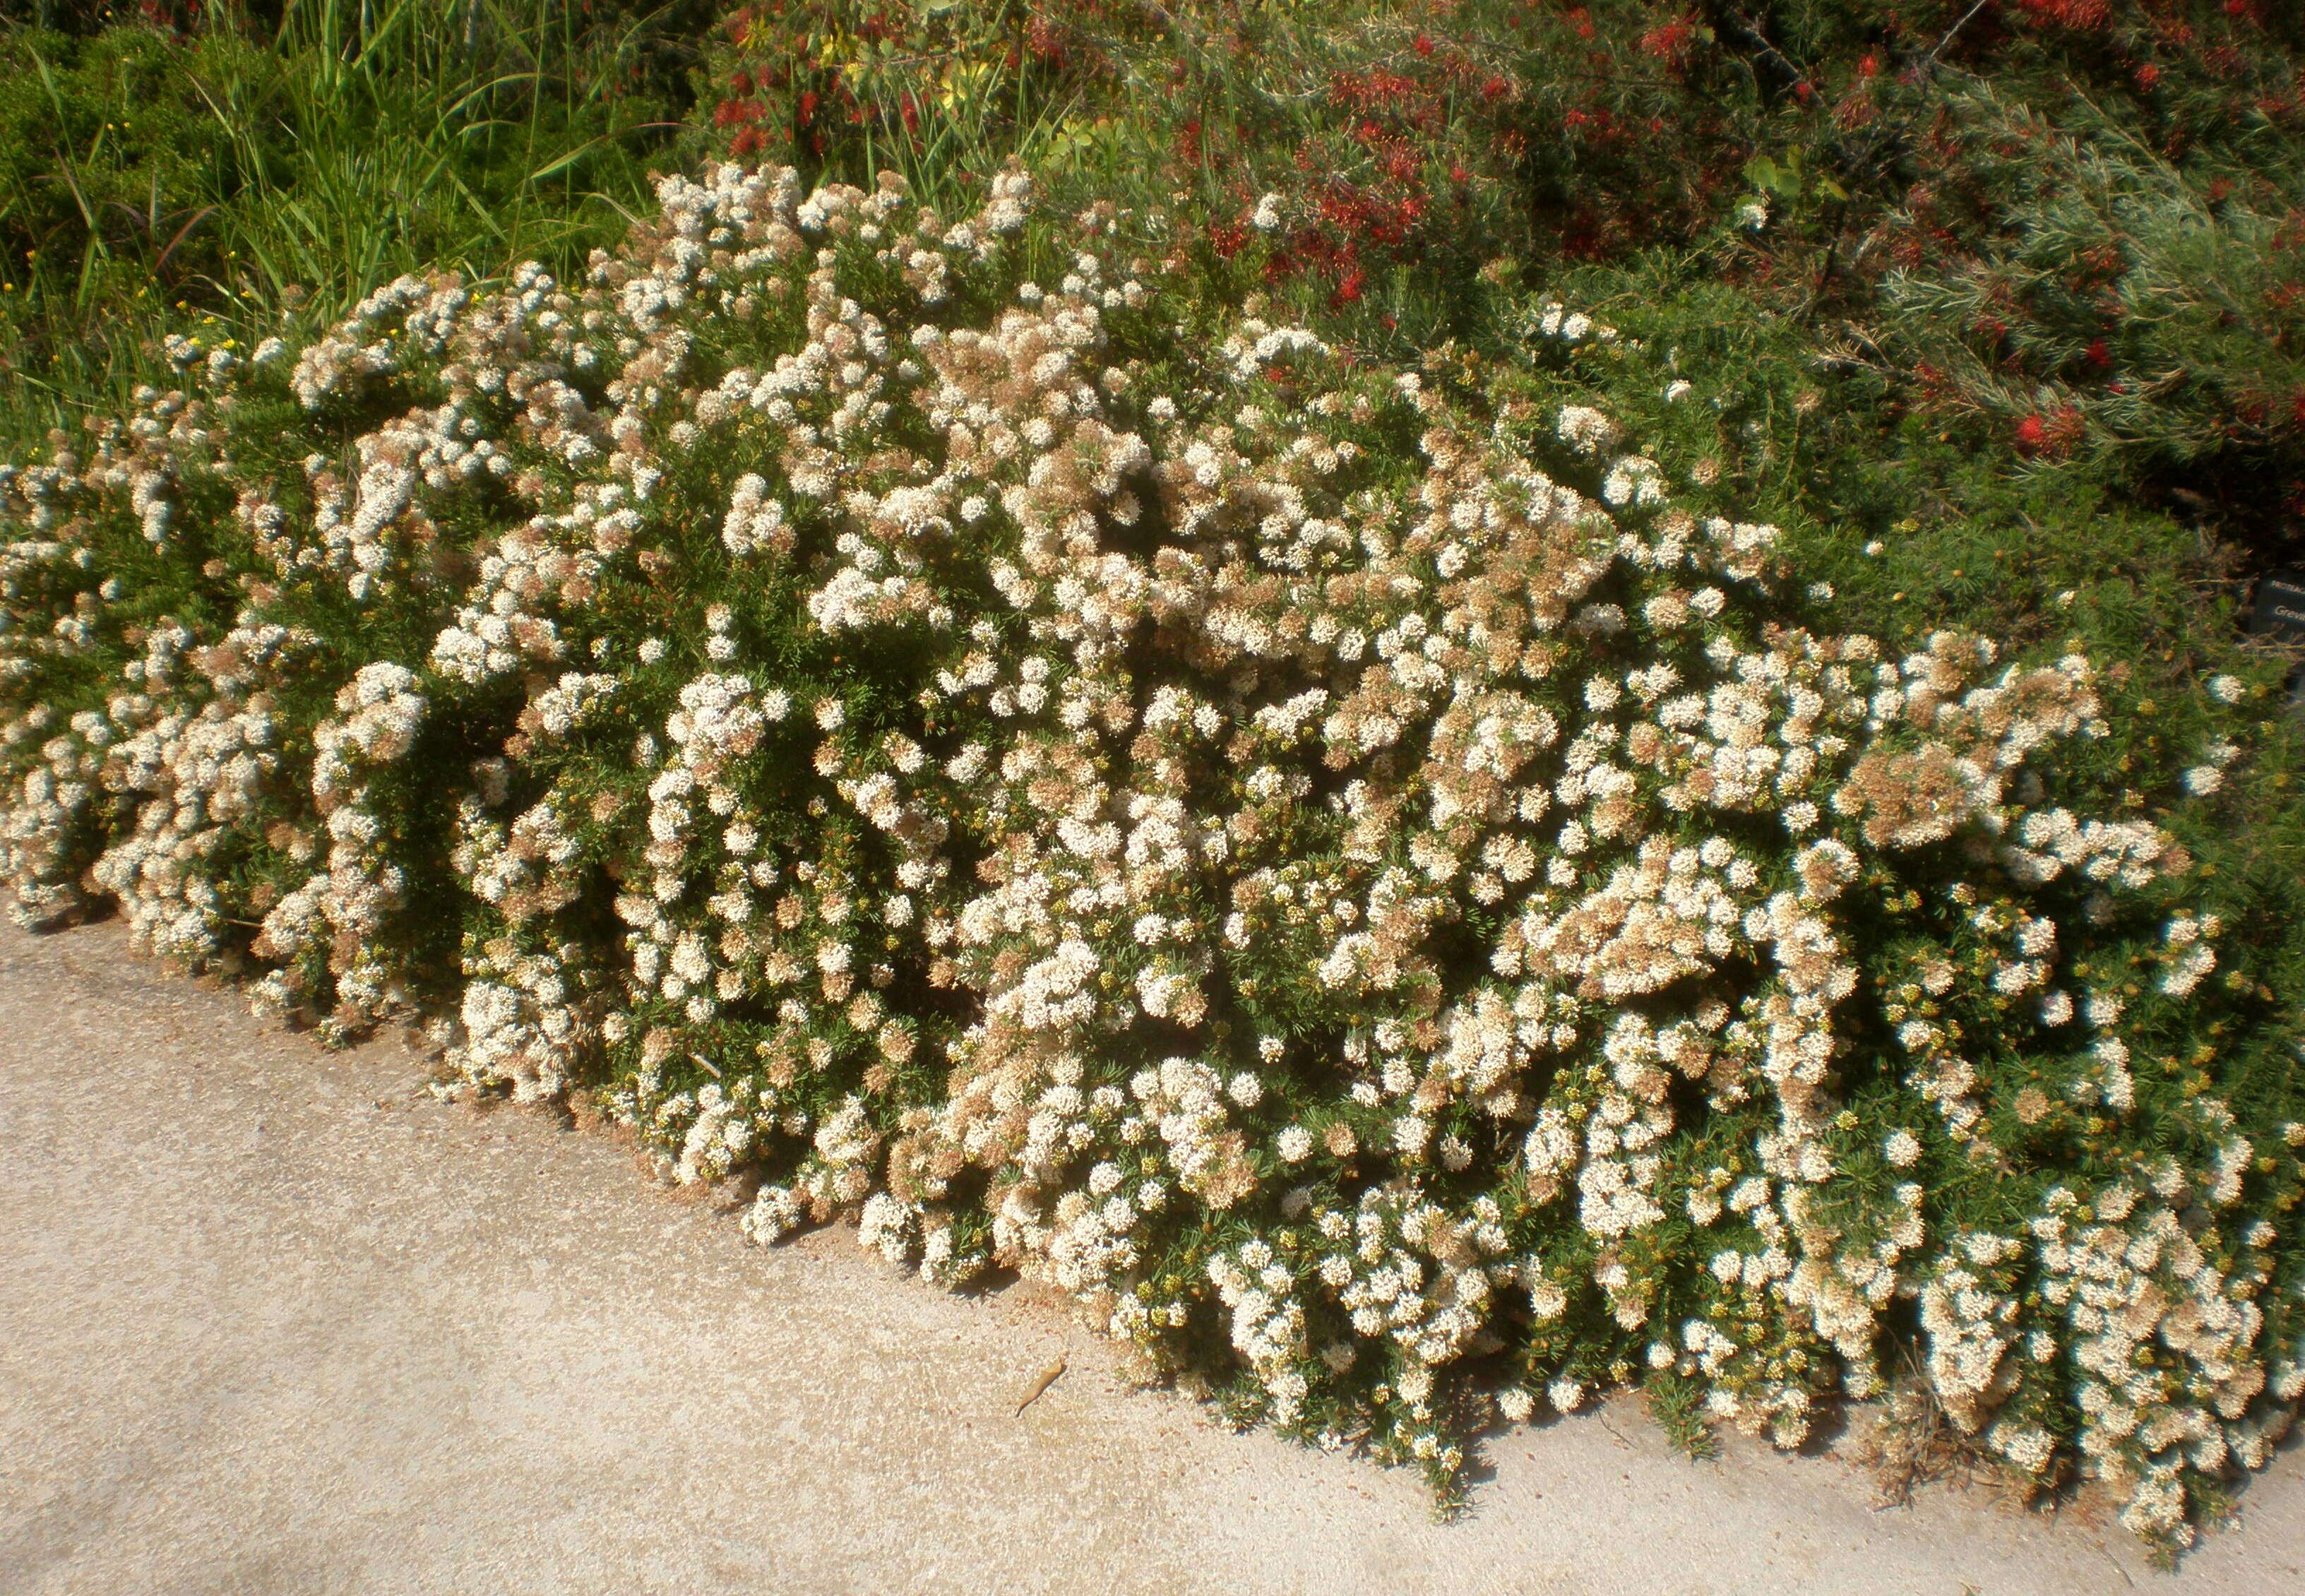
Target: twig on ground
1041,1382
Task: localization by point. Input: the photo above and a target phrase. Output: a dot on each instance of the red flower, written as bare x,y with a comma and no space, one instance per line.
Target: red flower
2052,438
1670,42
1870,66
2098,355
1424,45
2070,13
1376,87
2147,76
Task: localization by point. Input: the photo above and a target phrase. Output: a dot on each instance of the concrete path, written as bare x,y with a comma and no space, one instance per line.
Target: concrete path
274,1320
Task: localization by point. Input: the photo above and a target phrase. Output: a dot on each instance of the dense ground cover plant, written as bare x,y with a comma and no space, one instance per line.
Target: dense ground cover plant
1341,869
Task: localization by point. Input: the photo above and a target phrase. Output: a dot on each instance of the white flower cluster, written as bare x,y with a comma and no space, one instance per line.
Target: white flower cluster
1342,884
339,919
194,779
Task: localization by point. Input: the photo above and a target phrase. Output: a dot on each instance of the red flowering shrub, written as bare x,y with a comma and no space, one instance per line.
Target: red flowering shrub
1825,154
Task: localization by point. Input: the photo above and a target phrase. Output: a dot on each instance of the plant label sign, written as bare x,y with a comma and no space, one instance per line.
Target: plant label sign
2280,611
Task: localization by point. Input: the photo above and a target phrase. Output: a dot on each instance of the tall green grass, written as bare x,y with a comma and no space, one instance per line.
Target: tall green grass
245,167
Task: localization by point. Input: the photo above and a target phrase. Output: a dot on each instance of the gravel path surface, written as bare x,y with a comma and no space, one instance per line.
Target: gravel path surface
272,1320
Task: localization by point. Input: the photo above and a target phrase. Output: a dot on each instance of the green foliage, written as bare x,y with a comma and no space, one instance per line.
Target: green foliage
101,141
1677,1406
211,177
2112,299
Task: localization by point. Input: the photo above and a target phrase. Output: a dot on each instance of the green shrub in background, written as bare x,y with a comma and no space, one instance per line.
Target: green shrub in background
107,147
2116,301
2053,225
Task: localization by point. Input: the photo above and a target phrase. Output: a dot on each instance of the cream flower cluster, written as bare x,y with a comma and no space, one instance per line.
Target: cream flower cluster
1354,882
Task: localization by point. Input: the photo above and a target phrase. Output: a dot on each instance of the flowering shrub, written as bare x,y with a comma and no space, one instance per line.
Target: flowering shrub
2061,228
1378,156
2073,288
928,719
